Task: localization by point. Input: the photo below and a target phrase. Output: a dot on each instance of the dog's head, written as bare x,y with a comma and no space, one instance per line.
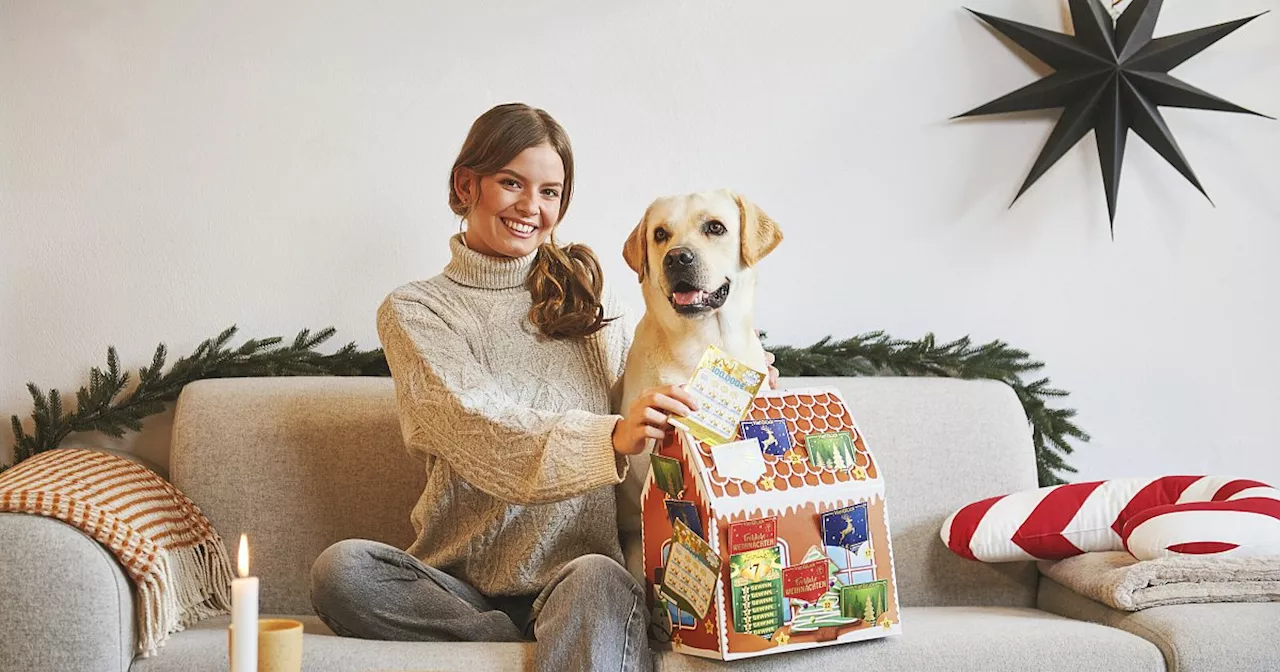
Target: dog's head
693,249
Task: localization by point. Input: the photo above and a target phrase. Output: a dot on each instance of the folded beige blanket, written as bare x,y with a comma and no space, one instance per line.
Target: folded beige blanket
1121,581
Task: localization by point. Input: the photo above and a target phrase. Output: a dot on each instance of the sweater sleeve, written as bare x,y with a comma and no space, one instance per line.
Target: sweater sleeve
623,330
451,408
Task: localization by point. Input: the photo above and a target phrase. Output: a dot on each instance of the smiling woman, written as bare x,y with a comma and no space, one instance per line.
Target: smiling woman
513,211
507,371
511,184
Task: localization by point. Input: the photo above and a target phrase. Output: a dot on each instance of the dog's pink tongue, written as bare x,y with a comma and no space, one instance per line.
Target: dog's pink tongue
687,298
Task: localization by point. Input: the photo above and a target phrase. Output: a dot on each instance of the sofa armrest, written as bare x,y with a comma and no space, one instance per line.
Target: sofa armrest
65,603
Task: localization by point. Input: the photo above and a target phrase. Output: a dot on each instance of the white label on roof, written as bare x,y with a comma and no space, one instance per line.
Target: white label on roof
742,460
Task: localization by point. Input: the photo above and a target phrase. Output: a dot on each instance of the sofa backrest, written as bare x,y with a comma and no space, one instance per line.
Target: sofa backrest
942,443
300,463
296,464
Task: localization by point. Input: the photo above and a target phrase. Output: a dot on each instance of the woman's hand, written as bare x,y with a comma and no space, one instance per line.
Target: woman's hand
647,417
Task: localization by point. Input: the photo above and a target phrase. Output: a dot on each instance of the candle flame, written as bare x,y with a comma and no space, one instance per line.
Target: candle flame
243,559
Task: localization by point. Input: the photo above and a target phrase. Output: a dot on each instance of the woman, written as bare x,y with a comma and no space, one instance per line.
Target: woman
507,368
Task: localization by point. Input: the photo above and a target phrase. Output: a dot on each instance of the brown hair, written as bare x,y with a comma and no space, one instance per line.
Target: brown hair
564,282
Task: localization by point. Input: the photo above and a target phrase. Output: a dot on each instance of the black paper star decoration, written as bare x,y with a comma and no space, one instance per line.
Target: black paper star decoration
1110,77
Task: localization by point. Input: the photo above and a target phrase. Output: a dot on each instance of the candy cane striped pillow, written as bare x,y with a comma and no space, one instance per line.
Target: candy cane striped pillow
1150,518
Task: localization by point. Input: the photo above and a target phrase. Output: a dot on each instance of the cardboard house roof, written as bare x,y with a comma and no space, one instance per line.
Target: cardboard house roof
789,480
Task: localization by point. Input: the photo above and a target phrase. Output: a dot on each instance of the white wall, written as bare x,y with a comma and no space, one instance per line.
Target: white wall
168,169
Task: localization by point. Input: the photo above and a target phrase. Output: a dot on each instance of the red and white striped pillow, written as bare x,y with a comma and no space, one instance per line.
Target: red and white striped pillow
1150,518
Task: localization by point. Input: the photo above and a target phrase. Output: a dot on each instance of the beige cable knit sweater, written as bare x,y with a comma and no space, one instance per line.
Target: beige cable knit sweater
515,428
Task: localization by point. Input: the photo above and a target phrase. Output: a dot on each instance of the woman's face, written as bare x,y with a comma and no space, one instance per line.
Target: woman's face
517,207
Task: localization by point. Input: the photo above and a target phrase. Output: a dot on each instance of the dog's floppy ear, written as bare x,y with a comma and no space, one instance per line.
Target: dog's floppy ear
759,233
636,250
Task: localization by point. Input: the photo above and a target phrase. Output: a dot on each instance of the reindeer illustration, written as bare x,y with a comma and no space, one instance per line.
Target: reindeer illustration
771,441
848,528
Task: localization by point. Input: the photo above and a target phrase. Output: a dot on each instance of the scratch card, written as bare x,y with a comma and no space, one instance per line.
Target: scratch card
867,601
762,564
667,474
831,451
692,571
756,580
772,434
806,582
724,388
748,535
686,513
845,527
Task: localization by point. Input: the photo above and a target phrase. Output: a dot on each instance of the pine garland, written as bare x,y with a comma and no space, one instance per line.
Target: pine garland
101,407
876,354
97,407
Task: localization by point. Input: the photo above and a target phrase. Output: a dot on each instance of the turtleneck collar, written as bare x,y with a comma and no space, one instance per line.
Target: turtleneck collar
470,268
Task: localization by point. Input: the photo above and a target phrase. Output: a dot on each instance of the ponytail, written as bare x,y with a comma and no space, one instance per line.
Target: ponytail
565,284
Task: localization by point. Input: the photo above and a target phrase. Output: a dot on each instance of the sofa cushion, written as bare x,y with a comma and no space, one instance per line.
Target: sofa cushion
1192,637
935,638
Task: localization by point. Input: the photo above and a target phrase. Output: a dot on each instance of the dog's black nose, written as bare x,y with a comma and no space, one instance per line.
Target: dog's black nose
678,257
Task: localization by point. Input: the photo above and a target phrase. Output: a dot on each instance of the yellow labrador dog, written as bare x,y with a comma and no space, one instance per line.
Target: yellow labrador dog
695,256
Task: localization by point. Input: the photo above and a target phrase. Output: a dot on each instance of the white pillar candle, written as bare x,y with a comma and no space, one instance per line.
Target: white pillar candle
244,615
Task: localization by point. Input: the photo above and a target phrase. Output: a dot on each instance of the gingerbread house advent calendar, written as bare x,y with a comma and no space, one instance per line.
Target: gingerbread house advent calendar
791,554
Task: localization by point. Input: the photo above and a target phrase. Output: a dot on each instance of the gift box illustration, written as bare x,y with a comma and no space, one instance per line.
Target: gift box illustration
772,539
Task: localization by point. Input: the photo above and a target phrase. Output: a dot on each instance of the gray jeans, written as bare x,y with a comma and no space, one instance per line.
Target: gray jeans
592,614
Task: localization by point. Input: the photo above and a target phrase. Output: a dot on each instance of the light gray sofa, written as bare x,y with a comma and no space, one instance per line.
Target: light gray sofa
299,463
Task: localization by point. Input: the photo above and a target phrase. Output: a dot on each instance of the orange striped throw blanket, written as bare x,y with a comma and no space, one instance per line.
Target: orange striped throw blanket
161,539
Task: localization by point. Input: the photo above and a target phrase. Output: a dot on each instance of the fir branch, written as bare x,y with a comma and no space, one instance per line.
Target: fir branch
103,405
875,353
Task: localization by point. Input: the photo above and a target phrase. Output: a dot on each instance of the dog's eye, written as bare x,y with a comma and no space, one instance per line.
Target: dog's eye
714,228
660,235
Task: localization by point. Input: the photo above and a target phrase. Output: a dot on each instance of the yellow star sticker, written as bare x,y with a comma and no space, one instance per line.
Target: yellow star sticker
885,622
859,474
766,483
793,457
676,641
711,627
782,639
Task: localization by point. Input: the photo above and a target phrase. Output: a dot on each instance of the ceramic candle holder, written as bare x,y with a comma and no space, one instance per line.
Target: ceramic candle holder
279,645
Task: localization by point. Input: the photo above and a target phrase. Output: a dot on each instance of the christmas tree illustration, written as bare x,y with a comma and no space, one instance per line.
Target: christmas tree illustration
816,553
824,613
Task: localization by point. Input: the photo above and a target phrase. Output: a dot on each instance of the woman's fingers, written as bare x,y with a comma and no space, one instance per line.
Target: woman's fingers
672,405
651,412
679,393
672,399
655,418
